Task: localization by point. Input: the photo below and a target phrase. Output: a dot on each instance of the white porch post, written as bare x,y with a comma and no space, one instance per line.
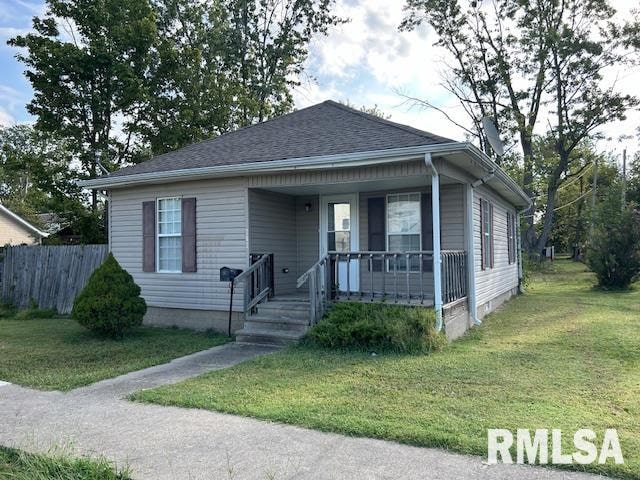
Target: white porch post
471,260
437,260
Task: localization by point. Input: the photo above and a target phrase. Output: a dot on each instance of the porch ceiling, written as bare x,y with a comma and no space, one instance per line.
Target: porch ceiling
362,186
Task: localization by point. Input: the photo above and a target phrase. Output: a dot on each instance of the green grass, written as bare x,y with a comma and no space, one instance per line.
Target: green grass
59,354
562,356
19,465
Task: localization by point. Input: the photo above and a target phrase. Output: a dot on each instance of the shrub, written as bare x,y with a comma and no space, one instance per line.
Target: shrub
613,251
376,327
110,303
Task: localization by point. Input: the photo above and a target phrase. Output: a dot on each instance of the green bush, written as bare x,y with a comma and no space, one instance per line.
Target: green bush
33,311
377,327
110,303
613,251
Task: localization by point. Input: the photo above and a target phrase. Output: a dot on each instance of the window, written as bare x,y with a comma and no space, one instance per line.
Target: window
511,237
169,235
339,227
486,232
404,229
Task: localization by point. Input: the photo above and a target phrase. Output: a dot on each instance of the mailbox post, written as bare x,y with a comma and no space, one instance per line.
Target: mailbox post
229,275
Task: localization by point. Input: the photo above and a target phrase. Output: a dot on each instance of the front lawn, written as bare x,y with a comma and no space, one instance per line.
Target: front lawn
59,354
19,465
562,356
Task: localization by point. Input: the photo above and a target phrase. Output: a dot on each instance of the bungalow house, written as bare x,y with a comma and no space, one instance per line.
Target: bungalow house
324,204
15,230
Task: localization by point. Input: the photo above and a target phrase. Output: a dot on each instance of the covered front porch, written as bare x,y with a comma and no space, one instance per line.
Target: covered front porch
375,240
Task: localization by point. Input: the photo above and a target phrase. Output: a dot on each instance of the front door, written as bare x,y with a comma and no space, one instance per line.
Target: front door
339,233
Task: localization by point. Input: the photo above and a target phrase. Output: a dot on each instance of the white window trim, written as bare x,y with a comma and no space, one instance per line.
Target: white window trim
165,235
386,221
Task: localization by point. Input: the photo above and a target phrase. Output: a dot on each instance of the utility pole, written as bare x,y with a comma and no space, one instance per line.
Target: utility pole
624,178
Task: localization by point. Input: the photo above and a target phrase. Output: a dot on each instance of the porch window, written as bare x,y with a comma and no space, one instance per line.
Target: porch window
169,234
404,229
486,232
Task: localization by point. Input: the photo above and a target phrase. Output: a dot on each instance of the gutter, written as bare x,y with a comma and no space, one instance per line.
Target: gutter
371,157
23,222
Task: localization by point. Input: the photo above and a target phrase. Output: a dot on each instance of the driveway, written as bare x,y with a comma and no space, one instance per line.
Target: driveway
163,443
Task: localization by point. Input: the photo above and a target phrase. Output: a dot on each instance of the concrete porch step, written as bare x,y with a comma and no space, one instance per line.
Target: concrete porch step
267,337
285,310
264,318
273,324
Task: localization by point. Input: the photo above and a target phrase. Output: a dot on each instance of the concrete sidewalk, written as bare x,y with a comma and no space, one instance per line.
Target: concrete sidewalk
164,443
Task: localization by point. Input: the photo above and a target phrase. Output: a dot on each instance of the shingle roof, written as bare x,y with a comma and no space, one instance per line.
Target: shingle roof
328,128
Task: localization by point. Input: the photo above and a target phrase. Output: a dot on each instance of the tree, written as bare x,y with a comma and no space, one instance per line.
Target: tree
224,64
34,171
375,110
513,60
614,248
36,178
110,303
86,62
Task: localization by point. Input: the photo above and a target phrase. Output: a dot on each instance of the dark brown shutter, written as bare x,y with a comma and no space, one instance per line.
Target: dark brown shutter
377,229
189,257
149,236
491,234
509,237
427,229
482,240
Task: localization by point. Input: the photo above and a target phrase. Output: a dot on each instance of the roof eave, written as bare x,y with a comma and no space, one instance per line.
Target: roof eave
357,158
324,161
23,222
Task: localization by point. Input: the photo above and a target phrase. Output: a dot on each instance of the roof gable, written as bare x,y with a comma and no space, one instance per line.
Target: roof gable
328,128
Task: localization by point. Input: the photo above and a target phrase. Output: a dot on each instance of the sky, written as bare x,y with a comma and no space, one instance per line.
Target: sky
366,62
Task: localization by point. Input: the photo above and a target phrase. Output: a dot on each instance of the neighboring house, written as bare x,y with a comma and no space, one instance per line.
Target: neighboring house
59,230
15,230
323,204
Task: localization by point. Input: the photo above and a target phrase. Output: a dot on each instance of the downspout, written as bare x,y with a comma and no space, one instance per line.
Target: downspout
437,260
519,251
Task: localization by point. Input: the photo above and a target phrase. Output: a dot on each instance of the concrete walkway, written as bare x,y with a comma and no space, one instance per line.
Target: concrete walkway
168,443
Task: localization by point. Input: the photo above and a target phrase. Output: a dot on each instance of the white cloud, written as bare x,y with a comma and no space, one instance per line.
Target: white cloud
368,61
6,119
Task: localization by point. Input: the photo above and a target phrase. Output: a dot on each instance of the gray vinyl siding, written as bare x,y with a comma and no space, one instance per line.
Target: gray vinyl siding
272,229
493,282
307,232
222,230
452,217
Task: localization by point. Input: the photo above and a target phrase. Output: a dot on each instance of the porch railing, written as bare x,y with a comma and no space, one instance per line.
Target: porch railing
454,275
318,279
397,277
258,281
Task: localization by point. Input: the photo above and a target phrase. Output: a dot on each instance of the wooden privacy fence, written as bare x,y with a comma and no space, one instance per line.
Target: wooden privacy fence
51,276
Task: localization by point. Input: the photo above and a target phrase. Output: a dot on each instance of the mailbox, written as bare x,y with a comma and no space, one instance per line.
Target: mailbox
229,274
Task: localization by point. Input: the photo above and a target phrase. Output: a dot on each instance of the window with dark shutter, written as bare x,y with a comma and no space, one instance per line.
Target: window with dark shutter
376,222
189,257
486,234
149,236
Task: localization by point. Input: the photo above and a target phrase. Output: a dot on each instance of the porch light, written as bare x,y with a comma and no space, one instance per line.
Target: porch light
307,207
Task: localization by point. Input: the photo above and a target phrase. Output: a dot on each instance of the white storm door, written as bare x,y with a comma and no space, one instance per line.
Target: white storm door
339,233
